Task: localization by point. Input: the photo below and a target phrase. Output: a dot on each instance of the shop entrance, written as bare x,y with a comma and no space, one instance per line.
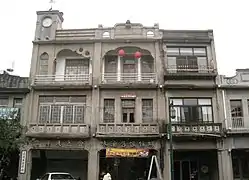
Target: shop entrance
125,167
186,170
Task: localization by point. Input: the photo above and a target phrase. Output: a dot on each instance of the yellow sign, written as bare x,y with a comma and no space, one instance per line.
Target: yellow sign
114,152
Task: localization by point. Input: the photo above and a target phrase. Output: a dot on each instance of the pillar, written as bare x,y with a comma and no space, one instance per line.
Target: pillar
225,164
166,169
93,165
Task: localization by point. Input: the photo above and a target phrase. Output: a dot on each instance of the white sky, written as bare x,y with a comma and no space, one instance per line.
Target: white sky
228,19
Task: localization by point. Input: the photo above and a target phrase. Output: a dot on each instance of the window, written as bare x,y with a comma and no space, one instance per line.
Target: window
61,176
236,108
192,110
62,109
147,110
187,58
110,64
44,63
129,64
109,110
76,68
128,110
17,102
45,177
4,102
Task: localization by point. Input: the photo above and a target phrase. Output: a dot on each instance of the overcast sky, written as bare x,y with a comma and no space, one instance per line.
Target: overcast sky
228,18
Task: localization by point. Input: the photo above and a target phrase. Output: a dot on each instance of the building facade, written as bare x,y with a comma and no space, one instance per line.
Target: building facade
13,92
104,93
234,93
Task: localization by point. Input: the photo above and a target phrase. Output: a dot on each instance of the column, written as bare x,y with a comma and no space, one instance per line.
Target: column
139,69
166,168
25,164
93,165
119,69
225,164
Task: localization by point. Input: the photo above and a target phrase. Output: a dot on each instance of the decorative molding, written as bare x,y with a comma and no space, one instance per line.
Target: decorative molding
10,81
59,144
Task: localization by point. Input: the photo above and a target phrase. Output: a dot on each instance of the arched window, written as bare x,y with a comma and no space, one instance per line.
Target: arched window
44,64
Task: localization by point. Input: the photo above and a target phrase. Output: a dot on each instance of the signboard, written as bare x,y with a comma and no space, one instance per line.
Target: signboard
23,162
115,152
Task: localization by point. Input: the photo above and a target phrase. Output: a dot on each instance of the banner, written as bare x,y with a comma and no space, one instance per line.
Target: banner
114,152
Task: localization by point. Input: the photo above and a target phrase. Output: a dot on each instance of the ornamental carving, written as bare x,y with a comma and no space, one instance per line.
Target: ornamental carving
55,144
10,81
128,144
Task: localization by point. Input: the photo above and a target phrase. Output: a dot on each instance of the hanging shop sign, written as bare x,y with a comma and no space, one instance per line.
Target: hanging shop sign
128,96
115,152
23,162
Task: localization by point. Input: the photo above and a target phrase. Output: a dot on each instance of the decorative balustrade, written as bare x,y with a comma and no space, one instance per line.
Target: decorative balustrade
197,129
127,129
189,69
238,124
146,78
58,130
50,80
73,34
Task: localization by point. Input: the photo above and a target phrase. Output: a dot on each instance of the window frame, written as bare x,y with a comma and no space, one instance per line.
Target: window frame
127,108
242,109
182,106
149,119
104,110
62,110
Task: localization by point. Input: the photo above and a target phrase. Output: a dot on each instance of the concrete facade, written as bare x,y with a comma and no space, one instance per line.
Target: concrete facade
174,66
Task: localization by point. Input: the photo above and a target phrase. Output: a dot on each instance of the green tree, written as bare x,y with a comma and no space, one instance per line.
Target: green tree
10,136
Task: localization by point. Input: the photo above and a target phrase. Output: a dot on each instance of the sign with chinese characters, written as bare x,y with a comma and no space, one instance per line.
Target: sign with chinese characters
115,152
23,162
128,96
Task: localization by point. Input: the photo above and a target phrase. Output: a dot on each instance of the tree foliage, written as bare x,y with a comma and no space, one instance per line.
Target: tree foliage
10,136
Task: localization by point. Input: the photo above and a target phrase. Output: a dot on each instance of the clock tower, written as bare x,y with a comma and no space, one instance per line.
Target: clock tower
47,24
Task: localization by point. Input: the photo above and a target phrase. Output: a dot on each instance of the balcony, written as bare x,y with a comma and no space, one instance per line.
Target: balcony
192,71
109,130
197,129
9,113
38,130
61,80
129,78
238,125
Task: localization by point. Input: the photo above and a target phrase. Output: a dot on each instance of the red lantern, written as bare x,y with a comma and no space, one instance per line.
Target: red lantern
121,52
138,55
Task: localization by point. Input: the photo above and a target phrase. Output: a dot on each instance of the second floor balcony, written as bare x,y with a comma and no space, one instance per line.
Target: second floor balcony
193,117
60,116
238,125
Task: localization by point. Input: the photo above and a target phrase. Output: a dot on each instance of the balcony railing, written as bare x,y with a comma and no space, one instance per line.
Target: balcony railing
189,69
238,124
79,79
127,129
9,113
58,130
197,129
146,78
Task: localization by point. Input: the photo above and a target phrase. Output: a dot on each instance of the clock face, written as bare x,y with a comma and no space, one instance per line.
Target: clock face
47,22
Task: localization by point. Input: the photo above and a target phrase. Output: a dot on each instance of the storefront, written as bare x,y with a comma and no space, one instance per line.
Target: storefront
127,163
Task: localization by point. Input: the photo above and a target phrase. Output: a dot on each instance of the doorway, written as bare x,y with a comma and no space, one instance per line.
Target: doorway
186,170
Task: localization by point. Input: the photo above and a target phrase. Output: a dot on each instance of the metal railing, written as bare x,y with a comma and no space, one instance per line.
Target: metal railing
129,78
128,128
189,69
62,79
238,124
